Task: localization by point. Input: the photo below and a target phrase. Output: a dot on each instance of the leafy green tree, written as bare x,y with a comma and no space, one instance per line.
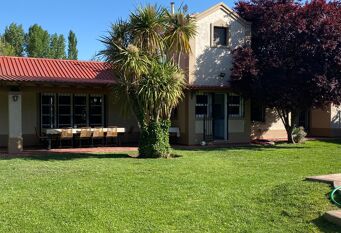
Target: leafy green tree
5,48
72,46
57,46
151,81
37,42
14,35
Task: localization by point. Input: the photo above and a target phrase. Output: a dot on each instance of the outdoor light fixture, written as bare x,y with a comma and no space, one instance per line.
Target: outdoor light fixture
222,75
15,98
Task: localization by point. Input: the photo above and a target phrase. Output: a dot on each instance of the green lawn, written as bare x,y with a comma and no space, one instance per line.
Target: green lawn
250,189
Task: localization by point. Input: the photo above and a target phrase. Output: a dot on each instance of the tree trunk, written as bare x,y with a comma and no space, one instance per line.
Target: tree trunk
154,140
289,134
288,123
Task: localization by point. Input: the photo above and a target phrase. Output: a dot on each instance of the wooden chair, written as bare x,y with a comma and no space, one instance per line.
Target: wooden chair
41,138
66,135
85,135
111,134
98,134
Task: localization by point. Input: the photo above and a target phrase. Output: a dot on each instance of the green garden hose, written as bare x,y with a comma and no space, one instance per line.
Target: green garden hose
332,196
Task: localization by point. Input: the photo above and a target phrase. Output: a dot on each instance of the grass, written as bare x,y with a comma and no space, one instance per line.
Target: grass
239,189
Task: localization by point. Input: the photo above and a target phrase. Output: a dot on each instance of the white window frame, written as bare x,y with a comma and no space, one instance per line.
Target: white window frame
51,105
240,105
201,116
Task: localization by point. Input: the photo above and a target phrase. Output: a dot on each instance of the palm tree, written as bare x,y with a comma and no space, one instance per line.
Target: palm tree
141,52
181,28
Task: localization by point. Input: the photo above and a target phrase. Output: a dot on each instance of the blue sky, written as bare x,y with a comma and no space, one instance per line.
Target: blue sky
89,19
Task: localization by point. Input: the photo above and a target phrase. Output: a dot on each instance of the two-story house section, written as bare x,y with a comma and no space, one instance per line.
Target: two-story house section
211,111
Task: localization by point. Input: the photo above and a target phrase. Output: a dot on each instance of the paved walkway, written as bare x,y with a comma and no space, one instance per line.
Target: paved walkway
335,180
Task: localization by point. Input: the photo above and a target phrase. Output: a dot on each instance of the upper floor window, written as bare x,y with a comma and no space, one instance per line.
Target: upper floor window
220,36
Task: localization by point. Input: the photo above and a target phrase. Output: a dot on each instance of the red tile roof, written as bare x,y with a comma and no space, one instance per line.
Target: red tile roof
24,69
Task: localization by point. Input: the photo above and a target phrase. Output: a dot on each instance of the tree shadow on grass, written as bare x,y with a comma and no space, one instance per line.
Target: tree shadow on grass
325,226
250,147
333,141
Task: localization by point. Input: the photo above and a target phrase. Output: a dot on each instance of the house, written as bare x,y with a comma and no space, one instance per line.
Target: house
211,111
38,94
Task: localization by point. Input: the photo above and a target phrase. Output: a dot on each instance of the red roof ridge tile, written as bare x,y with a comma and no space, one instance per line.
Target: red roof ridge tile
53,59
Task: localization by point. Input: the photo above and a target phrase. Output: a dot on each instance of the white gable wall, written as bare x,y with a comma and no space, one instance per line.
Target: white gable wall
210,62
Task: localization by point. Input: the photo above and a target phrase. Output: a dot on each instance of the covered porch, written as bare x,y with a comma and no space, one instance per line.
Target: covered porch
39,95
38,116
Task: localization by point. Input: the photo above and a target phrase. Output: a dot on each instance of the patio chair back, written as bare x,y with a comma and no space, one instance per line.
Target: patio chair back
98,133
66,133
85,132
112,132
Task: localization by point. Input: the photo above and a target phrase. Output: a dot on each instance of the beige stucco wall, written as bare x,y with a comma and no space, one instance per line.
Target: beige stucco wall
239,128
335,122
207,63
271,129
320,122
335,117
30,116
181,120
116,118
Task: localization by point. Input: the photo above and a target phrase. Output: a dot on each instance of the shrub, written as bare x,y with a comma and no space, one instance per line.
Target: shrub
299,135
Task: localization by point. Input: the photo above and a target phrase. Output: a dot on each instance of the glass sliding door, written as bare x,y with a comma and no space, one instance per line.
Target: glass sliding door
80,111
48,111
218,116
96,110
71,110
64,110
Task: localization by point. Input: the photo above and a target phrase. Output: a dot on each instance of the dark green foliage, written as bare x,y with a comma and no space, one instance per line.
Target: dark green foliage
37,42
72,46
57,46
154,140
14,35
141,51
5,48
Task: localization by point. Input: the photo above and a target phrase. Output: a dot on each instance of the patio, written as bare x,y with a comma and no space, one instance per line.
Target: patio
71,151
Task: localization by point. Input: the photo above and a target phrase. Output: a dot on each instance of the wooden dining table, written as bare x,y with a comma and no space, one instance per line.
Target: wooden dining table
120,130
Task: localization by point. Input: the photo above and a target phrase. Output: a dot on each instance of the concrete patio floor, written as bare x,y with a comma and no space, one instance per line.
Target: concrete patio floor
87,150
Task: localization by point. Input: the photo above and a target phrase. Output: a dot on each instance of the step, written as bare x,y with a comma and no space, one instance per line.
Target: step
337,184
334,216
330,179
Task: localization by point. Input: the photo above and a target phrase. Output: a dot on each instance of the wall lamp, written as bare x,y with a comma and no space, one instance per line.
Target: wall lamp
15,98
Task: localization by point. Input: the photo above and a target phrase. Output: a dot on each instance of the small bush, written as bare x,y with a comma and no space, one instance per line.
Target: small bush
299,135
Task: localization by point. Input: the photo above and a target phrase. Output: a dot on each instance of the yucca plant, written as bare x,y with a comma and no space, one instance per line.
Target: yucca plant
141,51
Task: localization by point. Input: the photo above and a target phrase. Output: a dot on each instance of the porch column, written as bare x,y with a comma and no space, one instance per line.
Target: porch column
15,140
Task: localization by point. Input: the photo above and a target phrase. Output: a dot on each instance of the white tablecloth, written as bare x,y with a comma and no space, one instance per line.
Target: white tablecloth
174,130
